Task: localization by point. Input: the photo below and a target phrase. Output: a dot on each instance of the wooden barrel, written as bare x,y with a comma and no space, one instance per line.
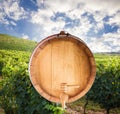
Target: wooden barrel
62,63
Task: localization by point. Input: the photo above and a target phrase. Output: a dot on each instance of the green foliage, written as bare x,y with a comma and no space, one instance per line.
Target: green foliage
13,57
17,95
106,89
54,108
12,43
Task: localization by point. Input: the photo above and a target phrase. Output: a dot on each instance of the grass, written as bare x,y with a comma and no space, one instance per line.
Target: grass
8,42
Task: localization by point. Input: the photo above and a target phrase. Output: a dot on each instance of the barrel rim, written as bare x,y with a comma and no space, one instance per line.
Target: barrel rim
90,82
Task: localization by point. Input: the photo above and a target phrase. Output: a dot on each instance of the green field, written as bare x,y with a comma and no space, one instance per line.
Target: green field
17,95
8,42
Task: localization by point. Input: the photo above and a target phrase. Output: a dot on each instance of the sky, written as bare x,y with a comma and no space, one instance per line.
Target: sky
96,22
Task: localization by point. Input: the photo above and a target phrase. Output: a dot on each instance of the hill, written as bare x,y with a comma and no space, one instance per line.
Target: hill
8,42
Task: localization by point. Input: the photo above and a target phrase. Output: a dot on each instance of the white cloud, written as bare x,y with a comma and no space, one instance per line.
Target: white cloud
115,35
25,36
75,10
109,42
61,5
115,19
89,5
99,47
113,39
13,23
41,16
12,10
4,21
99,16
94,13
99,5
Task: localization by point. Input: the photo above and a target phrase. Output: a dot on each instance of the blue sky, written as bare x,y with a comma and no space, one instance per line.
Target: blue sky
96,22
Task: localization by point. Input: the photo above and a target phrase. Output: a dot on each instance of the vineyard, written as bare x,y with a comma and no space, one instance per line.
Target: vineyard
18,96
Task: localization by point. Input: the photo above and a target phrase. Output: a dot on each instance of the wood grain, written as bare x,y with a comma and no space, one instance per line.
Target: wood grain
62,60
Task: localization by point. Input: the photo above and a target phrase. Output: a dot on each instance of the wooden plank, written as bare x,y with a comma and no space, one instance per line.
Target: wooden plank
62,60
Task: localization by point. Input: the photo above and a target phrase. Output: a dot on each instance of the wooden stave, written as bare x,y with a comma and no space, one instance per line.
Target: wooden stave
92,62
